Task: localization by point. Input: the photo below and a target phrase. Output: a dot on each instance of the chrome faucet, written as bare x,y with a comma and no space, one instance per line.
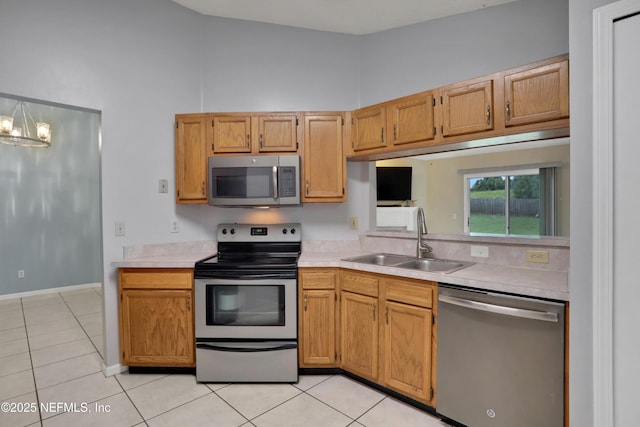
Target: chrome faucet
422,248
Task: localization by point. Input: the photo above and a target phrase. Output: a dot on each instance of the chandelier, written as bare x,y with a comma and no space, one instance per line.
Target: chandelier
19,129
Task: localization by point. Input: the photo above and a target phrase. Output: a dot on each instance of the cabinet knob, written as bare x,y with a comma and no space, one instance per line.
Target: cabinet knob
248,141
488,114
307,187
188,304
508,110
305,302
260,140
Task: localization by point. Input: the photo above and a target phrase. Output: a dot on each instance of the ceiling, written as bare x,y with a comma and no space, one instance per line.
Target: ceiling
340,16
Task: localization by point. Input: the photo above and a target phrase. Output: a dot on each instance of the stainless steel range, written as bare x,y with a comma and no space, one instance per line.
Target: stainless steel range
245,305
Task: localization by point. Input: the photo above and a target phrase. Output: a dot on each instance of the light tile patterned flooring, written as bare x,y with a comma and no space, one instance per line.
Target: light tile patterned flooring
50,348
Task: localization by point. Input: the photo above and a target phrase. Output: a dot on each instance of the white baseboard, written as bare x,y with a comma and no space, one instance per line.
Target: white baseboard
50,291
112,370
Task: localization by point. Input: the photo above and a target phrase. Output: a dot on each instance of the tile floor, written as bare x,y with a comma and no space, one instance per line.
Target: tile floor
51,375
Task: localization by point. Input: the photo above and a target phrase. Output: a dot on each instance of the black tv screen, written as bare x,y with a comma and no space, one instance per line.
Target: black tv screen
393,182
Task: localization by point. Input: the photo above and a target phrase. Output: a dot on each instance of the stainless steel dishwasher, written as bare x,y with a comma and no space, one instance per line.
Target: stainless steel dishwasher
500,359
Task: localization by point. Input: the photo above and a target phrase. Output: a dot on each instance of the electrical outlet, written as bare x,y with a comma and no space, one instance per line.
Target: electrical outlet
538,256
163,186
20,274
480,251
175,227
120,228
353,223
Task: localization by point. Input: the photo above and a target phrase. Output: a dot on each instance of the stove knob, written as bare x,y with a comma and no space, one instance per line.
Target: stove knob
293,231
233,231
224,231
284,231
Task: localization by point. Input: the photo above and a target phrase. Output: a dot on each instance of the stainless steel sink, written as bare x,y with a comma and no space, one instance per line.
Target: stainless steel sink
380,259
434,265
411,263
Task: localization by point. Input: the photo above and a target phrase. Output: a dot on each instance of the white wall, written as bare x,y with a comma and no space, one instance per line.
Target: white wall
419,57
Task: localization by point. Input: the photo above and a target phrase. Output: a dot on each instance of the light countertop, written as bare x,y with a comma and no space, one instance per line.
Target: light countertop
516,280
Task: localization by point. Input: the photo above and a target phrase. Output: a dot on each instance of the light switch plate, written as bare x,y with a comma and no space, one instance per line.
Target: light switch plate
163,186
120,228
538,256
480,251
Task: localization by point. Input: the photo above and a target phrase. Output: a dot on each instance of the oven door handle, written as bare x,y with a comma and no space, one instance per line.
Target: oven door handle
206,346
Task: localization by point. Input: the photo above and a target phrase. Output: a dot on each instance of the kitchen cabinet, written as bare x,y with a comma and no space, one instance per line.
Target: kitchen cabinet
156,317
318,319
467,107
238,133
537,95
324,162
359,324
367,128
411,120
191,158
407,338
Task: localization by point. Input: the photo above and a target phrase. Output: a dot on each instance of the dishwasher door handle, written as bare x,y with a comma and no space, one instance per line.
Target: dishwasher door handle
545,316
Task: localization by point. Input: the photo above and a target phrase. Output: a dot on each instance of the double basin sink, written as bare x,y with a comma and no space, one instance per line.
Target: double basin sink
433,265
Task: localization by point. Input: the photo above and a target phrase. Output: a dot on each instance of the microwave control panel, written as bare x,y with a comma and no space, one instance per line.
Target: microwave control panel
287,181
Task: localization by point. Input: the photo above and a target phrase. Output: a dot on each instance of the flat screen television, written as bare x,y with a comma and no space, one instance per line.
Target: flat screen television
393,183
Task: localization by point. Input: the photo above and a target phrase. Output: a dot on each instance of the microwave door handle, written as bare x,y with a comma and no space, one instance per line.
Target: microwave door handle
275,182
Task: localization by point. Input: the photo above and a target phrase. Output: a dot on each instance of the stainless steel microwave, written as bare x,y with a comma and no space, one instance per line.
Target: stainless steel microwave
254,180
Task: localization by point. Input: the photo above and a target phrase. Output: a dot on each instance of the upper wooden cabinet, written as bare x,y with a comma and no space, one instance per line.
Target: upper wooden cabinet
467,108
367,128
191,158
238,133
231,134
537,95
410,119
520,101
324,162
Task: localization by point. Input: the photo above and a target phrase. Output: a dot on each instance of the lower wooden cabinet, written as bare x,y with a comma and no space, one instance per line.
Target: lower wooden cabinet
156,317
318,318
407,350
359,332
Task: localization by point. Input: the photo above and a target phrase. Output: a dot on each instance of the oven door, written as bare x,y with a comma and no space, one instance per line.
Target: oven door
245,309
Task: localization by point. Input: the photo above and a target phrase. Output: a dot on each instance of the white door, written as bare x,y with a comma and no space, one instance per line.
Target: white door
616,214
626,222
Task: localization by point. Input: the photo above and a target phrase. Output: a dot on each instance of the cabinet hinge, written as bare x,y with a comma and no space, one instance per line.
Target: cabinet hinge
430,393
434,130
296,145
343,191
433,102
211,147
296,121
335,297
440,99
211,123
177,125
343,121
433,319
178,194
441,130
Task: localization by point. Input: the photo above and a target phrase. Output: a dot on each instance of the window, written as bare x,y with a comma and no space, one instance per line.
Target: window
513,202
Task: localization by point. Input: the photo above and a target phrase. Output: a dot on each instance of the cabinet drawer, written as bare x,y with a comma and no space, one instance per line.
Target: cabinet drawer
360,284
318,279
167,278
420,295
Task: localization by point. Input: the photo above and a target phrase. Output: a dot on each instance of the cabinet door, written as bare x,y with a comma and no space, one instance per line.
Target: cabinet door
407,350
277,133
324,161
367,128
157,328
359,335
318,327
191,158
467,108
411,120
231,134
537,95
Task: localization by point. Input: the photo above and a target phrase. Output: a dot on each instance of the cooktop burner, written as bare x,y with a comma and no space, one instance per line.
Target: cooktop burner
254,249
